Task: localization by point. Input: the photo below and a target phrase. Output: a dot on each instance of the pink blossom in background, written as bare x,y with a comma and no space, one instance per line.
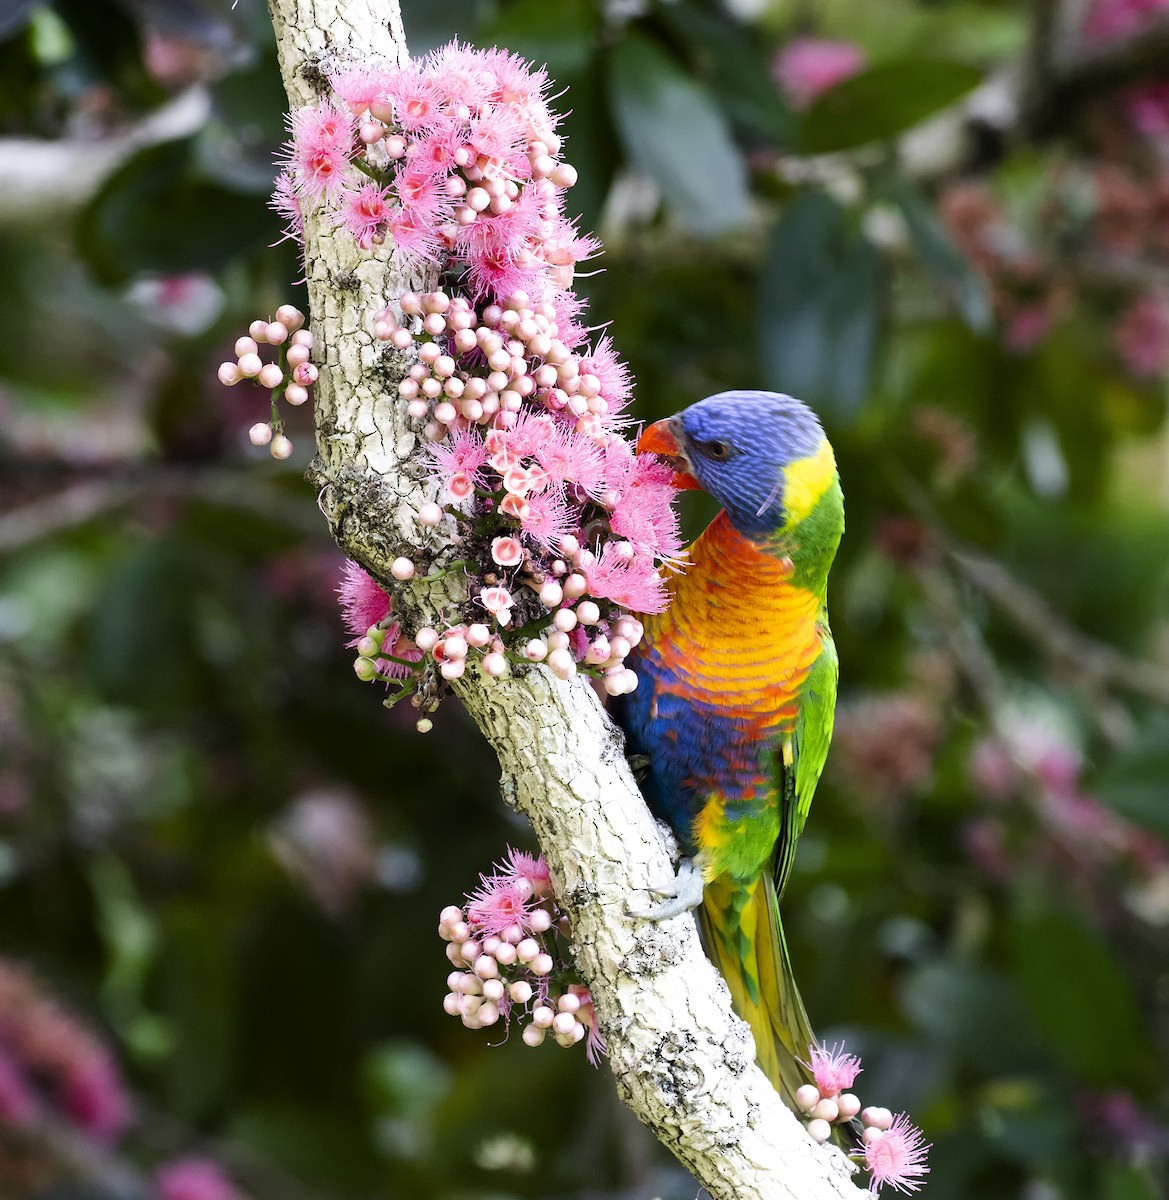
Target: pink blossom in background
1148,109
1108,20
193,1179
18,1104
365,213
808,66
1141,336
1027,327
92,1095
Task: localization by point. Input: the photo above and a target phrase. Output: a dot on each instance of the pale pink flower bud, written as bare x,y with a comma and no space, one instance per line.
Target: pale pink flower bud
295,394
277,333
270,376
527,950
495,664
426,639
493,990
450,914
551,593
229,374
395,144
575,586
429,514
303,337
453,670
563,1023
365,669
306,374
826,1110
619,647
587,613
614,683
470,950
260,433
878,1118
245,345
807,1097
849,1105
258,330
568,1003
280,447
533,1035
402,569
536,650
486,967
250,365
872,1134
520,991
514,934
454,646
819,1130
564,620
297,355
598,652
290,317
540,921
444,412
450,1004
542,1016
371,132
432,388
564,175
506,954
557,640
478,635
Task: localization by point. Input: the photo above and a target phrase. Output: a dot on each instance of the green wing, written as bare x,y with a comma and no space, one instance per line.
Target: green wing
809,752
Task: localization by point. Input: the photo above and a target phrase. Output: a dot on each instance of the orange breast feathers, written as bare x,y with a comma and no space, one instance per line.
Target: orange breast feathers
737,635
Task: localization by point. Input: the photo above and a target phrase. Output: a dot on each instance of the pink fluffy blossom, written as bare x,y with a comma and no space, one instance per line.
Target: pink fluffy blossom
322,144
18,1103
498,903
360,84
643,510
897,1157
547,518
532,867
633,583
92,1095
193,1179
833,1070
365,213
1148,109
612,374
808,66
364,602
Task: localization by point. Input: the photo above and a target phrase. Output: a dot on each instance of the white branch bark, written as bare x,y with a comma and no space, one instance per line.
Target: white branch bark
682,1060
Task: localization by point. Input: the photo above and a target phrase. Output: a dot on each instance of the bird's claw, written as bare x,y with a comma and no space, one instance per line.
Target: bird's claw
679,895
638,764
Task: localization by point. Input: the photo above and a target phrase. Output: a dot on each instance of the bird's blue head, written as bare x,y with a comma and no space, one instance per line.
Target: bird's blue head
762,455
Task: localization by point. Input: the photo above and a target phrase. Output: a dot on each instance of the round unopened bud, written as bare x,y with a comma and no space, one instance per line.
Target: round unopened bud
402,569
488,1013
250,365
271,376
450,1004
564,620
563,1023
878,1118
260,433
277,333
575,586
229,374
450,915
520,991
807,1097
426,639
429,514
454,646
542,964
493,990
290,317
494,664
568,1003
533,1035
819,1130
425,725
536,650
295,394
588,613
365,669
849,1105
551,593
280,447
453,670
826,1110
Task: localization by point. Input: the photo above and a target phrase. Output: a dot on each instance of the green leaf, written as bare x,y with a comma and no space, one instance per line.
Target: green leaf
883,101
1080,999
1134,784
961,285
675,133
821,301
156,214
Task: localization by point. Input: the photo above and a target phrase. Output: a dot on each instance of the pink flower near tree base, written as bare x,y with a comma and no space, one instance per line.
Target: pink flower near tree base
833,1070
897,1157
808,66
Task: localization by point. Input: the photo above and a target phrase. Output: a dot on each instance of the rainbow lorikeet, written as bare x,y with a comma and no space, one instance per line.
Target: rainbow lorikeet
737,689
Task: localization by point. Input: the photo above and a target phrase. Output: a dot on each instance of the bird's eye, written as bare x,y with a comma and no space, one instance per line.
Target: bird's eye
717,449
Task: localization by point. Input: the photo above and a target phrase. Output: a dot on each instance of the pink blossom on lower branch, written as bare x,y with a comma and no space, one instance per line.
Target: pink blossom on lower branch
896,1156
509,950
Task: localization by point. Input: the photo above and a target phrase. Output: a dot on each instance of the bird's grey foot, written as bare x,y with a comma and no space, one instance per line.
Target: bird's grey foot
638,764
680,895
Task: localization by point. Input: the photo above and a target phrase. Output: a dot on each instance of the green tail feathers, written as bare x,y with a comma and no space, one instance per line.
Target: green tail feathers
742,933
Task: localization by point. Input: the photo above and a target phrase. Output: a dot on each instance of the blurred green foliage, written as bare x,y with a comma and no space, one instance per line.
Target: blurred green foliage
222,849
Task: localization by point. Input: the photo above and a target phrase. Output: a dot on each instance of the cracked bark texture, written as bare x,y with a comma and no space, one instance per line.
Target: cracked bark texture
683,1062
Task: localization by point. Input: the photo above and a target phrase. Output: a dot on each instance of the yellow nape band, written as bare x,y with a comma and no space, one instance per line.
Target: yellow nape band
805,481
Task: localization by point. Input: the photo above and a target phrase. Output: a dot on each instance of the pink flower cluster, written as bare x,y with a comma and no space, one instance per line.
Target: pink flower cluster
292,375
455,158
892,1149
503,945
48,1060
1108,20
193,1179
809,66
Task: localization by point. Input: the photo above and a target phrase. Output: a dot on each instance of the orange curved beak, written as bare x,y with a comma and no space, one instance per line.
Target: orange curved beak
660,438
